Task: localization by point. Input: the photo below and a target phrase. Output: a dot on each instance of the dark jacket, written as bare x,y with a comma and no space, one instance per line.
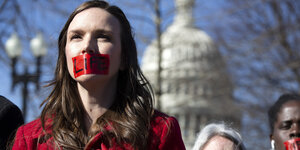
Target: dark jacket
10,119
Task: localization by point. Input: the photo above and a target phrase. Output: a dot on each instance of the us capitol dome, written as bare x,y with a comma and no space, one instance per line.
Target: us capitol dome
195,85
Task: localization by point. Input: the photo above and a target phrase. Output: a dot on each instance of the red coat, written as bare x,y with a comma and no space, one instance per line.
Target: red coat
159,137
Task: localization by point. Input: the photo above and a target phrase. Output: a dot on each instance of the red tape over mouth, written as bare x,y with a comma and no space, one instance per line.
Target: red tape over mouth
90,64
293,144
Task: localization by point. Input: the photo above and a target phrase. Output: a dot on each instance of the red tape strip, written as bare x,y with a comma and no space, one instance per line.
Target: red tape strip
293,144
90,64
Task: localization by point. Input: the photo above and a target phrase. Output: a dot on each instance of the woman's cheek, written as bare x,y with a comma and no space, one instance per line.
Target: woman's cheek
69,61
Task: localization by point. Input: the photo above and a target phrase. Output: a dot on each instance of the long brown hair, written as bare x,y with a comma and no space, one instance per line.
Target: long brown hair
130,114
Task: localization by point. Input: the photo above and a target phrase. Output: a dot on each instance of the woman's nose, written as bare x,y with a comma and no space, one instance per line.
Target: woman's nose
87,51
295,132
90,46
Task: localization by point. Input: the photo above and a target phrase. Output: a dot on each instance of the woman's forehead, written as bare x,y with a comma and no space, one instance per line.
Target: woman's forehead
94,17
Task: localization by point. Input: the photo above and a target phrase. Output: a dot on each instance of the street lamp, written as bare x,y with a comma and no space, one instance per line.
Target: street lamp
13,49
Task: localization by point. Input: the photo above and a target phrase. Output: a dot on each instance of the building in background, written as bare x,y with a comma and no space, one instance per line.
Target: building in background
196,88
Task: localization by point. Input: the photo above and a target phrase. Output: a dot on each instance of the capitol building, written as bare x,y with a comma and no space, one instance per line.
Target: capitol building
195,85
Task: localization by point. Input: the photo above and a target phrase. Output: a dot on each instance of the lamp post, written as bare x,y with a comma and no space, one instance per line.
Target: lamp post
13,48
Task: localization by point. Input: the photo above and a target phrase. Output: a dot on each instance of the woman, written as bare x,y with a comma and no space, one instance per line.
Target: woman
100,99
218,137
284,121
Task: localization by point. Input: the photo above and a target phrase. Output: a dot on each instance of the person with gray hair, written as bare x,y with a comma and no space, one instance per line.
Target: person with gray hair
218,137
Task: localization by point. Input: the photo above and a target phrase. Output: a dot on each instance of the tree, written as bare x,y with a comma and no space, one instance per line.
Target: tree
259,39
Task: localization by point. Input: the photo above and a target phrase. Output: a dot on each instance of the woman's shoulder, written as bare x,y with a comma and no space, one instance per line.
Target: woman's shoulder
162,118
30,135
163,123
33,128
33,123
165,132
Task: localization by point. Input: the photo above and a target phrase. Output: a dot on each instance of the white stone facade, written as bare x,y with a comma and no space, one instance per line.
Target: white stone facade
195,85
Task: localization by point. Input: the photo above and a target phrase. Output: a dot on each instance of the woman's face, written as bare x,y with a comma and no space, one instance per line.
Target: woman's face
94,31
287,125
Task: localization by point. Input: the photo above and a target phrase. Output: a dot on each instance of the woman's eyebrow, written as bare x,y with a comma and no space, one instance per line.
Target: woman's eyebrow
104,31
80,31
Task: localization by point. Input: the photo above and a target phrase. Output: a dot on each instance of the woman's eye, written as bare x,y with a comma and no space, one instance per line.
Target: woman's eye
104,37
75,36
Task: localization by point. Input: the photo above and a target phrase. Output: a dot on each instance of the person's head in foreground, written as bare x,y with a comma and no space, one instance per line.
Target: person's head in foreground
284,121
100,98
218,137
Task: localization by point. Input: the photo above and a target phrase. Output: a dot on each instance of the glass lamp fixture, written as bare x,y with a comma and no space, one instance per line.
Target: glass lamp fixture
13,46
38,45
